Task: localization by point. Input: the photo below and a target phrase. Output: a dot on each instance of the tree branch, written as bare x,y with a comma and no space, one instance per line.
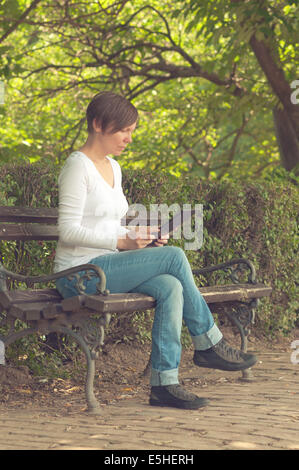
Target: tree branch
14,26
233,148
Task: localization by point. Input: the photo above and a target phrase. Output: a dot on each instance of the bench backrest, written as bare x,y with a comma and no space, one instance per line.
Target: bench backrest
28,223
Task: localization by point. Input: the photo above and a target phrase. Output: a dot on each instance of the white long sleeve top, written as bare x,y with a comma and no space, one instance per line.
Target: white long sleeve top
89,213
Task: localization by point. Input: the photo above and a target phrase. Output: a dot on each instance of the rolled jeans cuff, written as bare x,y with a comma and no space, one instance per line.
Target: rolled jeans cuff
165,377
208,339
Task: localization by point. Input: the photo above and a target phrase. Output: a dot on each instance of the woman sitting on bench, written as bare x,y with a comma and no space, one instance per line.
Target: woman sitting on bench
91,206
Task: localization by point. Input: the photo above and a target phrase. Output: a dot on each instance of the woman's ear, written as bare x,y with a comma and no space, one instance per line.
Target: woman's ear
97,127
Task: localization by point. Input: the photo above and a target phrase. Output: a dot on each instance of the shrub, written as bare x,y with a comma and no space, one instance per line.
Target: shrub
257,220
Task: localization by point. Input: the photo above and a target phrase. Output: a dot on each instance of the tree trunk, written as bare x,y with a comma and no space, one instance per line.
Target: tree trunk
287,139
286,118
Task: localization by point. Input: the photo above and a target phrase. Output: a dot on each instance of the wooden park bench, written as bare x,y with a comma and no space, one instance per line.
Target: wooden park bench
84,317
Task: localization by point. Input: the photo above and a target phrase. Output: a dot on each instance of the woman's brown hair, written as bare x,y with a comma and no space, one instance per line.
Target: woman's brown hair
111,111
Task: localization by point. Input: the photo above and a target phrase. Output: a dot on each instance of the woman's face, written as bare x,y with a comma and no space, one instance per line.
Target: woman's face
115,143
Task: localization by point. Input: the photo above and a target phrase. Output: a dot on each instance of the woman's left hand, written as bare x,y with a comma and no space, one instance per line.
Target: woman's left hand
161,241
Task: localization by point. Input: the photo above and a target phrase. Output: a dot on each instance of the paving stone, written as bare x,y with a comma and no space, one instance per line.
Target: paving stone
263,414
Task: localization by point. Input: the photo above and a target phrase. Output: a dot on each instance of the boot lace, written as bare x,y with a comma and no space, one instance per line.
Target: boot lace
179,392
227,352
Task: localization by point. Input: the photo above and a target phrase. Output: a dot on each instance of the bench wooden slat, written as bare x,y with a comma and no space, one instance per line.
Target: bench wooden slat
133,301
34,304
34,295
35,310
110,303
14,297
18,302
28,232
73,304
237,292
46,215
52,310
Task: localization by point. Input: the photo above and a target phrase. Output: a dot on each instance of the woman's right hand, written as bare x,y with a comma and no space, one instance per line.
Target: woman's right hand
138,238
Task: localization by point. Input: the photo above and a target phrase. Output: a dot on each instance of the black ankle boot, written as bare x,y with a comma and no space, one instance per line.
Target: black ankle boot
224,357
176,396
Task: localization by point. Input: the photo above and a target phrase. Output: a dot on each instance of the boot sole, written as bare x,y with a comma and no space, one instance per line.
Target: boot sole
231,367
183,405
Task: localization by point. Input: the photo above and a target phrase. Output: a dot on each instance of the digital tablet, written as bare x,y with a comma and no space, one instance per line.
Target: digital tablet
171,225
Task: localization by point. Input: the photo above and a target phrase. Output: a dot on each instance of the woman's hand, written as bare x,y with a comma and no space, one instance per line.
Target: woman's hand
161,241
140,238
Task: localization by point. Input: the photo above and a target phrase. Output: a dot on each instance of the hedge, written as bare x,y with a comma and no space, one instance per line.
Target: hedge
257,220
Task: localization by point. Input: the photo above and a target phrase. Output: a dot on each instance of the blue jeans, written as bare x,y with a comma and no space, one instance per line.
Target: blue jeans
165,274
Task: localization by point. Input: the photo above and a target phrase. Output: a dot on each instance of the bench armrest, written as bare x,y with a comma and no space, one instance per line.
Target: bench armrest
241,265
89,271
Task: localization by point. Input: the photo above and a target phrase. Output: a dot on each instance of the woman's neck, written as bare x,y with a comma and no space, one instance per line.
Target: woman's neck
93,149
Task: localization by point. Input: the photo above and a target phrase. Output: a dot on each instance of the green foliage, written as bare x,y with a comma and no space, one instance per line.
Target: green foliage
34,352
205,104
255,220
205,134
33,186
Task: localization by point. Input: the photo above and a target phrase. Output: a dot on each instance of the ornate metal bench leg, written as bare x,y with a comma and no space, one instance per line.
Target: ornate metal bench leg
243,317
89,336
15,335
147,370
93,405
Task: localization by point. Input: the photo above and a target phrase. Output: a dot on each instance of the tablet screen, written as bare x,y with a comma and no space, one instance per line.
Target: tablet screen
171,225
